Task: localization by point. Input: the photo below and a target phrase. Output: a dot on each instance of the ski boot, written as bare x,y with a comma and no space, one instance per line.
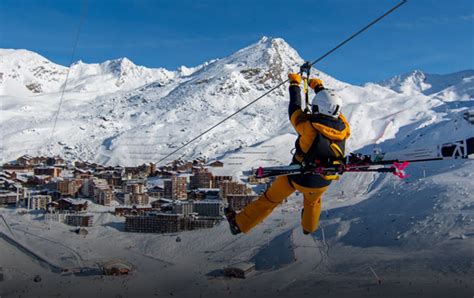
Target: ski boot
230,215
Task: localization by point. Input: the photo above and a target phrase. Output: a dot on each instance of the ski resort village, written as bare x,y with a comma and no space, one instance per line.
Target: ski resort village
182,196
255,172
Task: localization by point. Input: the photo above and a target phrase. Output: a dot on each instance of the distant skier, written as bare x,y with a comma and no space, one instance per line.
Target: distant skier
321,141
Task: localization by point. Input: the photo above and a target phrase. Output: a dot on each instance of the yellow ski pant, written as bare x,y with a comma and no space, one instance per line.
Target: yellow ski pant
281,188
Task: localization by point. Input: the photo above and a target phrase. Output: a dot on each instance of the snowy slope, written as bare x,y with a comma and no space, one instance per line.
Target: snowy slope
119,113
25,73
114,75
417,235
143,124
417,82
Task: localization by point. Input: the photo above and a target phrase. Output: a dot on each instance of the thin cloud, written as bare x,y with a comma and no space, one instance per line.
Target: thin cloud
425,21
468,17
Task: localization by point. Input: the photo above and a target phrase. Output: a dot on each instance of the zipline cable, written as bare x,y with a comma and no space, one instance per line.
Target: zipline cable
359,32
285,81
81,21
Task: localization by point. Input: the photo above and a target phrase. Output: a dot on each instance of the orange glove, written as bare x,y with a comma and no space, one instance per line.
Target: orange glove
314,83
295,79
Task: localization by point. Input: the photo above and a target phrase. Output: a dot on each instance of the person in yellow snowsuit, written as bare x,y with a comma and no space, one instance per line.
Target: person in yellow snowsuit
321,141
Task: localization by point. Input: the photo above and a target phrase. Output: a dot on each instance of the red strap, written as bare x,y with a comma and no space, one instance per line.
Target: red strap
259,172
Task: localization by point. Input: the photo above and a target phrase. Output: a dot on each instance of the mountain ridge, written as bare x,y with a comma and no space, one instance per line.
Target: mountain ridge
116,112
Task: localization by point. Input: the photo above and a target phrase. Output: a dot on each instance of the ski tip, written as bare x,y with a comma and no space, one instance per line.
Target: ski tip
401,166
399,169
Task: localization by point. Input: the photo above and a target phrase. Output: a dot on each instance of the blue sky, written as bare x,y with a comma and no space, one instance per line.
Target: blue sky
433,36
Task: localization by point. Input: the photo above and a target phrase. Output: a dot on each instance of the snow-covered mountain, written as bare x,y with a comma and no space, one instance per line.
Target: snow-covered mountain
119,113
457,85
417,234
26,73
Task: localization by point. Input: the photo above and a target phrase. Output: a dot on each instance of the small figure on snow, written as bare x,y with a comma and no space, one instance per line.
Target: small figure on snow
322,133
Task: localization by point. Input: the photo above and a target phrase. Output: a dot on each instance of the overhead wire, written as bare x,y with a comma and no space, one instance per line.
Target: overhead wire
285,81
71,61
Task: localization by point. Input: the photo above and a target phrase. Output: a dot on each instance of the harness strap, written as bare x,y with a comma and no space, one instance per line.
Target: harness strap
337,150
306,69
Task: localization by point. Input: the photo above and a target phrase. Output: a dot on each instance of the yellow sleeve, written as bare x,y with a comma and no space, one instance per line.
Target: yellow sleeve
297,120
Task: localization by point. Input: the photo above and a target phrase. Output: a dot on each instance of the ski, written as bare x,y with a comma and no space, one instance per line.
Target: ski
397,161
266,172
453,150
